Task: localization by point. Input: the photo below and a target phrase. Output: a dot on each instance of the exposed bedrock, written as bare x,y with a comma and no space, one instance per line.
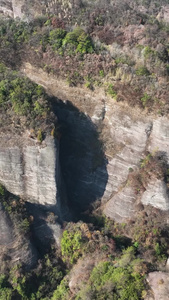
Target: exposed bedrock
159,283
101,142
99,170
30,169
137,137
156,195
6,233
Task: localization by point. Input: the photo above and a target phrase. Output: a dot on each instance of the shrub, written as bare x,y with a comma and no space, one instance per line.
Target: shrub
2,190
40,136
142,71
110,282
145,98
80,40
148,52
25,97
84,44
62,291
111,91
71,245
56,37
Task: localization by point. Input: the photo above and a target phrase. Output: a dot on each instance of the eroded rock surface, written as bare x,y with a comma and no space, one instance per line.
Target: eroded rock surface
127,133
156,195
159,139
159,283
121,205
30,170
6,233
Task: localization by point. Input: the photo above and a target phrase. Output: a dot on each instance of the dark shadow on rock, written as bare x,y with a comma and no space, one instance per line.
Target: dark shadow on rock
15,238
82,160
6,233
45,227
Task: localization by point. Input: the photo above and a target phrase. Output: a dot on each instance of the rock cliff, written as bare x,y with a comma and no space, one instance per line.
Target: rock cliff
30,169
110,157
127,133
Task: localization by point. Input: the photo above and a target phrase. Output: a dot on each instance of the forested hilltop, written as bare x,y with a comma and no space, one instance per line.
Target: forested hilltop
84,162
111,45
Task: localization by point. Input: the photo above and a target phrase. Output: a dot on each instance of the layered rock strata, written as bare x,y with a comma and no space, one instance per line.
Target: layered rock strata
127,133
30,169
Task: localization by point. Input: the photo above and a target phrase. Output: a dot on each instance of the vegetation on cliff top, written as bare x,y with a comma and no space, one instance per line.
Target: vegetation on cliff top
25,103
133,57
131,63
20,94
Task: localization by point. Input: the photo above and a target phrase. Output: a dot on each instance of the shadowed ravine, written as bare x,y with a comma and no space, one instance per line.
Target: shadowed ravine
83,175
82,159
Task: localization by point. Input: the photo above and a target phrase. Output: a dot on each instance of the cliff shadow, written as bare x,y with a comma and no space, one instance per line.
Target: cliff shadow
82,159
45,227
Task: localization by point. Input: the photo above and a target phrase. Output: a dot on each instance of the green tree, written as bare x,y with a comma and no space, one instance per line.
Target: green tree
71,245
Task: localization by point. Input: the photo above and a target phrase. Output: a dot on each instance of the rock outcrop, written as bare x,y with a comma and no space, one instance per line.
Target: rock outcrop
6,234
30,169
156,195
159,283
126,133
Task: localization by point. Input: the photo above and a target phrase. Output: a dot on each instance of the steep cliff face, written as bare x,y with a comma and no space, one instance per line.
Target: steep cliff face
101,140
30,169
126,134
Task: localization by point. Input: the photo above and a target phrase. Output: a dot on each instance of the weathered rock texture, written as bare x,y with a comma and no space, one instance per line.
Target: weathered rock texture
159,283
126,132
156,195
6,233
30,169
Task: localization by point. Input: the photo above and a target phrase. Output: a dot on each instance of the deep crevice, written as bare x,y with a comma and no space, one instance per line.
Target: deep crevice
82,160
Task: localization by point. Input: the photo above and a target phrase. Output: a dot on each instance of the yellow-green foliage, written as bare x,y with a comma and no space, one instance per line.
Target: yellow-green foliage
80,40
142,71
56,37
149,53
24,96
40,136
145,98
117,282
5,291
111,91
61,293
71,245
2,190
